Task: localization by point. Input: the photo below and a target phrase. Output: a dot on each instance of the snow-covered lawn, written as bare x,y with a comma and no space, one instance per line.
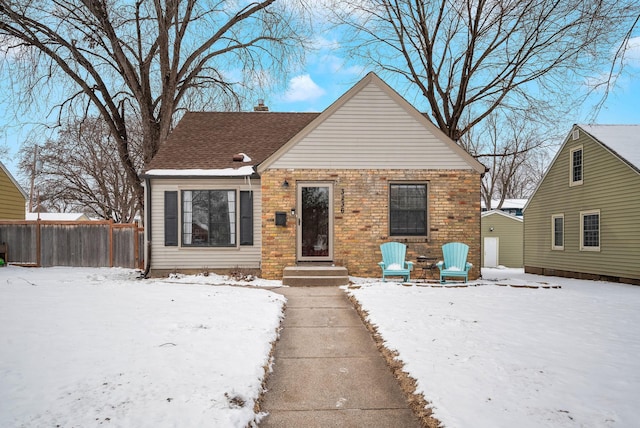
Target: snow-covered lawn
501,356
97,347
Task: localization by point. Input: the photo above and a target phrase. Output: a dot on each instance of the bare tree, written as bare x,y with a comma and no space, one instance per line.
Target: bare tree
4,151
144,58
471,57
79,170
513,152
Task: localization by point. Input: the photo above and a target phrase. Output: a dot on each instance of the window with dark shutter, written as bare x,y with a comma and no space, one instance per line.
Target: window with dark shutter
246,218
170,219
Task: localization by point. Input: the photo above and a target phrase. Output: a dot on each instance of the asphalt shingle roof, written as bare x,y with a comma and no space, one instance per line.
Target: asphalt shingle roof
209,140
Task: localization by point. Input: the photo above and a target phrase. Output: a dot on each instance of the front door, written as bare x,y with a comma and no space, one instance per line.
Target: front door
315,221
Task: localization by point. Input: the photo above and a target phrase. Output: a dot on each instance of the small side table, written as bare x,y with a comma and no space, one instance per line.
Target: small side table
427,264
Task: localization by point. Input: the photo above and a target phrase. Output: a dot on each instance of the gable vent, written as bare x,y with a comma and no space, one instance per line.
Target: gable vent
576,134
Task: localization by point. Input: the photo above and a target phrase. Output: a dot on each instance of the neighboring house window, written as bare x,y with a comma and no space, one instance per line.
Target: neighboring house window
590,231
209,218
408,210
557,232
576,166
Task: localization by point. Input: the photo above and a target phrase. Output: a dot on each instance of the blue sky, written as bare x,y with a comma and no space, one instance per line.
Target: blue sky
327,75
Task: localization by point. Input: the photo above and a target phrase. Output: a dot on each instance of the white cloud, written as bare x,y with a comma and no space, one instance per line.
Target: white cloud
632,52
323,43
303,88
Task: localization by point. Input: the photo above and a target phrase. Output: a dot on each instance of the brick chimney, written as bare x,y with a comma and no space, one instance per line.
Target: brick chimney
261,106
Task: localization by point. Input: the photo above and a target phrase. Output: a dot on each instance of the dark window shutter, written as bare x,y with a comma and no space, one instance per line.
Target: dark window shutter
170,219
246,218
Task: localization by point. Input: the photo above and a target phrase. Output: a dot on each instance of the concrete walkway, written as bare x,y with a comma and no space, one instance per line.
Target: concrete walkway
328,371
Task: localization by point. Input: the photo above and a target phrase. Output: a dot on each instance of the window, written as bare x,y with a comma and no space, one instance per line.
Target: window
590,231
408,210
576,166
557,232
209,218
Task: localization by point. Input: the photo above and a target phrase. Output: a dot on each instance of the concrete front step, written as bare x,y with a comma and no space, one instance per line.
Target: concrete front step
305,276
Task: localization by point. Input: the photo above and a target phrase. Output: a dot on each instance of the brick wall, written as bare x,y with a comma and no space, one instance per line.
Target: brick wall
453,215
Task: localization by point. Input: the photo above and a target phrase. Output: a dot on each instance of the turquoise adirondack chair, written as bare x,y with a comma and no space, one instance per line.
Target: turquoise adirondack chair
455,262
393,262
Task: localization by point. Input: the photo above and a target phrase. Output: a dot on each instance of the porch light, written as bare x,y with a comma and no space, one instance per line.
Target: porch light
285,184
293,212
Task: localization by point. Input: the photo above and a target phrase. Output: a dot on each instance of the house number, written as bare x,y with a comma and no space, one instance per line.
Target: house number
342,201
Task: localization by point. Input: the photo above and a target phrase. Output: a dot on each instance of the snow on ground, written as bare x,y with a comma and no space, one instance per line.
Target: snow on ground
83,347
504,356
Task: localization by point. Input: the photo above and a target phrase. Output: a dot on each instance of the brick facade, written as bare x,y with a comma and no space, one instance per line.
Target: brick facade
361,204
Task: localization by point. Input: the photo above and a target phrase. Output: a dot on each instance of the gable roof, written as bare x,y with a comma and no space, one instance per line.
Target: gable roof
13,180
622,140
372,78
209,140
502,213
204,143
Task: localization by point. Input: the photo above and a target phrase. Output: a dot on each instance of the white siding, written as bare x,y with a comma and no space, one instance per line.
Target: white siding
371,131
200,258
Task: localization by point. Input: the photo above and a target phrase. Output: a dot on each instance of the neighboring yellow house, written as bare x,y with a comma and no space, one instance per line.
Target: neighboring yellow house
13,198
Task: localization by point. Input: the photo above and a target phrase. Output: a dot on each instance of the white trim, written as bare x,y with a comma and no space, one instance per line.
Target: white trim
582,214
553,232
571,151
243,171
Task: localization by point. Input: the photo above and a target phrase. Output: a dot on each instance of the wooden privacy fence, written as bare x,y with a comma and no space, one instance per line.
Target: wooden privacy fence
73,243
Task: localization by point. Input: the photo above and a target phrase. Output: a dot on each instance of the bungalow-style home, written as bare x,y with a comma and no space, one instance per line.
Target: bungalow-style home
583,220
265,191
502,239
13,198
